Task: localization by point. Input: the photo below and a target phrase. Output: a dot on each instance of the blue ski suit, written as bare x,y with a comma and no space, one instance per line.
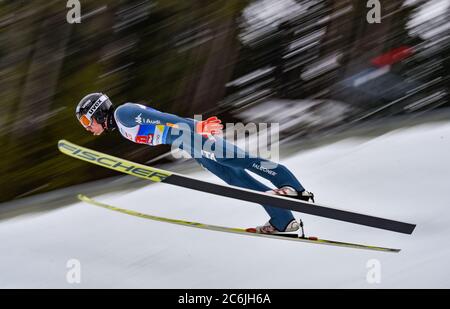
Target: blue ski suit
145,125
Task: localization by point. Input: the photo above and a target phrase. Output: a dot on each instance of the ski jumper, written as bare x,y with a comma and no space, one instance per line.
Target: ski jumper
144,125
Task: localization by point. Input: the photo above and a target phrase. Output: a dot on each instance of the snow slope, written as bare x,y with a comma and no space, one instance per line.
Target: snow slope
401,175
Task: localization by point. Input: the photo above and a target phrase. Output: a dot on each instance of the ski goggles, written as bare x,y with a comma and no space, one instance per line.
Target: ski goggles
86,119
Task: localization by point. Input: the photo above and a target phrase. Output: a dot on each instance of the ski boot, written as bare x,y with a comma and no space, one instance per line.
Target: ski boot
268,228
292,193
290,230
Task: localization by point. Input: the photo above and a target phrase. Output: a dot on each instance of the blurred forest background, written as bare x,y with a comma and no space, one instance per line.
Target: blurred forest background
311,65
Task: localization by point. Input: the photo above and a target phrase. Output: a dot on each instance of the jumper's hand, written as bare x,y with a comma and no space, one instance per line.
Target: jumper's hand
209,127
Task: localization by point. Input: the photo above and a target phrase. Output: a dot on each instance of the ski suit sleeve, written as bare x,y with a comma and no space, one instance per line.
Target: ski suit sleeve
145,125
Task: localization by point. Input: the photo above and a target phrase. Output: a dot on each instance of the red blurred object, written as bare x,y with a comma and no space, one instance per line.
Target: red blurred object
393,56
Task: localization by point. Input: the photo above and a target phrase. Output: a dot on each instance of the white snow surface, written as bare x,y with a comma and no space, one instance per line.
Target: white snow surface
401,175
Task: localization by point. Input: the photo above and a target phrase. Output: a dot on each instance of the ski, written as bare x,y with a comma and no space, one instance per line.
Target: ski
159,175
291,237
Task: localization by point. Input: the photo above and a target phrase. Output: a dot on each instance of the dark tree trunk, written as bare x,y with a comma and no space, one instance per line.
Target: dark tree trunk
43,74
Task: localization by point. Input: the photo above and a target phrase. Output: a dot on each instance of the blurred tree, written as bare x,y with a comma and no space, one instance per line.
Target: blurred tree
38,92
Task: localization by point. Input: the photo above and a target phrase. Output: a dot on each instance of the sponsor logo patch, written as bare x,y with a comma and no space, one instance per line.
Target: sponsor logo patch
140,120
263,169
144,139
159,131
171,125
